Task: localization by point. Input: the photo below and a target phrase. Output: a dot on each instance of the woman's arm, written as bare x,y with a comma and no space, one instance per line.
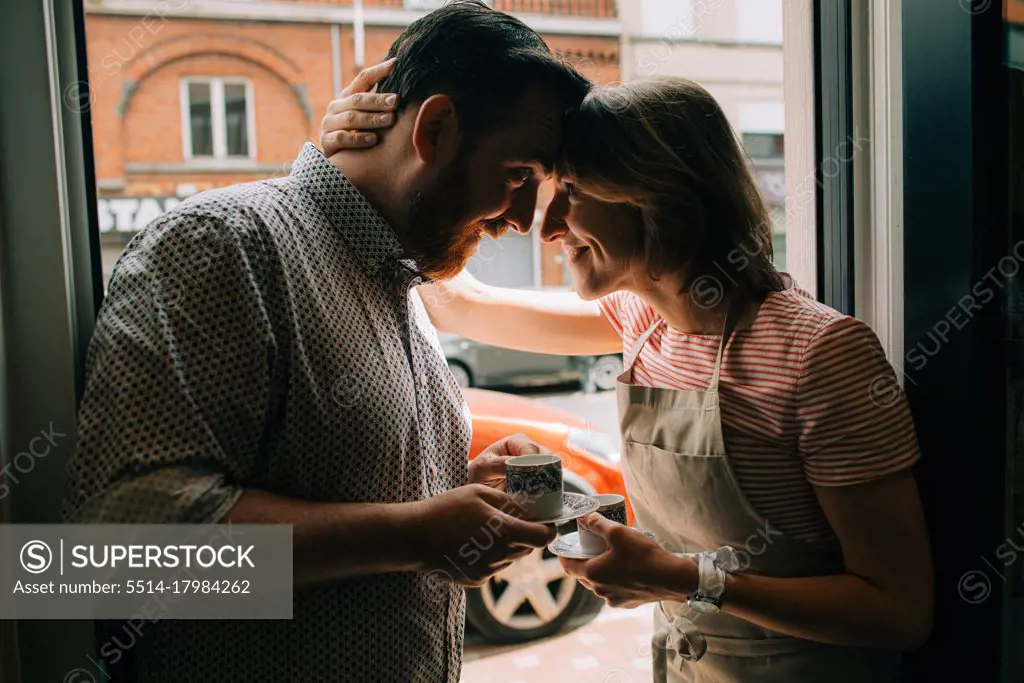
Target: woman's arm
884,599
533,321
848,430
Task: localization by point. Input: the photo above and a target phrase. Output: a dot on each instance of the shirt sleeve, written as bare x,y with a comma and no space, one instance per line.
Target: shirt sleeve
854,421
177,378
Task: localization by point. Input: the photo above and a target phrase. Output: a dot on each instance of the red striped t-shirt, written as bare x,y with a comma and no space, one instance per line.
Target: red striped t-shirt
807,397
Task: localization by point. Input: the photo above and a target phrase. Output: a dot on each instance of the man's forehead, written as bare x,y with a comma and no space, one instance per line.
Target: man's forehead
534,134
541,147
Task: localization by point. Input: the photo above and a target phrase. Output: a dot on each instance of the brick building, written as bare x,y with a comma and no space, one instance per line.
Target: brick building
189,95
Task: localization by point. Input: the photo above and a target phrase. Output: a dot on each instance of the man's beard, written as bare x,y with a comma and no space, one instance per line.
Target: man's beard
441,241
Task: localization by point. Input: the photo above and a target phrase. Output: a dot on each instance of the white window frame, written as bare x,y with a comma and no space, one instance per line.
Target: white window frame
218,122
877,161
878,173
800,132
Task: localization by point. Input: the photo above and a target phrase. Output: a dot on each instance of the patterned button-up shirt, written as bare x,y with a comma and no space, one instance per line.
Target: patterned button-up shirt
269,335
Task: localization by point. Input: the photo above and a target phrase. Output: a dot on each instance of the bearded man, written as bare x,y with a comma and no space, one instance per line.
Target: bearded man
262,357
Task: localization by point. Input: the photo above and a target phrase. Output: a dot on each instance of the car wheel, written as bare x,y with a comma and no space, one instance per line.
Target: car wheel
533,598
461,374
603,373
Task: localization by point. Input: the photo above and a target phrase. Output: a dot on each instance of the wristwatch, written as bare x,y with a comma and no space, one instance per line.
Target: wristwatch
705,604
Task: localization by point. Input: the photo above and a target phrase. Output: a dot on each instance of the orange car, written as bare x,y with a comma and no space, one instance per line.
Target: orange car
533,598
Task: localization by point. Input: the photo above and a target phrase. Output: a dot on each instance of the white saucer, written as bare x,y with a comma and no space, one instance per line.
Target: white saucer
569,546
574,506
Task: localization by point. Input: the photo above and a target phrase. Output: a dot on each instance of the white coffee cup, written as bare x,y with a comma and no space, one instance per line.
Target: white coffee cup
611,506
536,481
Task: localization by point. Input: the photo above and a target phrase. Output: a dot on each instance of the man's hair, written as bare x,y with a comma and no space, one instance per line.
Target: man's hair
483,59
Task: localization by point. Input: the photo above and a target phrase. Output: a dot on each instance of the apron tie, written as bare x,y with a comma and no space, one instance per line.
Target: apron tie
681,634
686,639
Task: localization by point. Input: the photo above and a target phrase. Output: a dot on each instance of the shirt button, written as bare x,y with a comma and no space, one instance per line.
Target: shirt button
423,380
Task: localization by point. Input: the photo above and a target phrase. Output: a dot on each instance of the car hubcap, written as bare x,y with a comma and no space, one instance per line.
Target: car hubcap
530,592
605,372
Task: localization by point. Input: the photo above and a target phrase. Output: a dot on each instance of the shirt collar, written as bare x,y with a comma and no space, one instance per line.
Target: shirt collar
369,236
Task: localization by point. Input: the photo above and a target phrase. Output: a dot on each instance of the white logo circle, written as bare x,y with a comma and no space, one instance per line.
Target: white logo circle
36,557
975,587
79,676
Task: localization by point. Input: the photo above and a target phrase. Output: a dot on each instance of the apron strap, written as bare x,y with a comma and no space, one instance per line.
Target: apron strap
639,344
727,330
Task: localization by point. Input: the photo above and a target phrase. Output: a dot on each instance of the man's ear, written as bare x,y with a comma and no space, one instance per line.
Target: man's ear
435,132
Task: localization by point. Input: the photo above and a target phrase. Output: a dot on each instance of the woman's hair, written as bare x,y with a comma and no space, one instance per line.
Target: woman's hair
665,147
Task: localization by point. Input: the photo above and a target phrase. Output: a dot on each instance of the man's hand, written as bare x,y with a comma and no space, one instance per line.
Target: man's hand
488,468
472,532
634,569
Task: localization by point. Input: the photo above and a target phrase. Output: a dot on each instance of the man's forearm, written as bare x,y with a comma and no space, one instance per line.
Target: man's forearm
335,541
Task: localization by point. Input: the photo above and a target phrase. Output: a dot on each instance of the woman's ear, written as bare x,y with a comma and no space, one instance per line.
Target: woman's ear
435,132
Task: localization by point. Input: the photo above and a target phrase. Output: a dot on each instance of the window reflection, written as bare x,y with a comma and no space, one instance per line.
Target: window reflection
200,119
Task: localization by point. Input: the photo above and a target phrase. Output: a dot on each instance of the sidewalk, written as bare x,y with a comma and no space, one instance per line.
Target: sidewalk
614,648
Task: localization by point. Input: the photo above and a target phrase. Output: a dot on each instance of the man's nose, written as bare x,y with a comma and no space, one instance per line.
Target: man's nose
520,214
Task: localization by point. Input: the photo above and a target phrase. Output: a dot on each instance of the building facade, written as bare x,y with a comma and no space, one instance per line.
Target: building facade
190,95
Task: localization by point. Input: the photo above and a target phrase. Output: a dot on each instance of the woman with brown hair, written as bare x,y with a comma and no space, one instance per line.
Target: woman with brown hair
788,542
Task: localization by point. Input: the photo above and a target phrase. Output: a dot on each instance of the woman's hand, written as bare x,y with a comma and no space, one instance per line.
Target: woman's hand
358,110
634,570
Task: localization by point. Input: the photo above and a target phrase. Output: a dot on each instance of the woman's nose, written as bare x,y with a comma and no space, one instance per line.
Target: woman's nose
553,225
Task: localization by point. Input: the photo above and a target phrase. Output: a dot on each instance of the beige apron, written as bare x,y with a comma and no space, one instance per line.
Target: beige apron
683,491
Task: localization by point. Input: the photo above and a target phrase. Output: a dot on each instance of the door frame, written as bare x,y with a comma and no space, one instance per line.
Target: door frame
49,259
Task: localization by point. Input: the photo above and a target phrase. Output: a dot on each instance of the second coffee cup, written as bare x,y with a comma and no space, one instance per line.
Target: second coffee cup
613,507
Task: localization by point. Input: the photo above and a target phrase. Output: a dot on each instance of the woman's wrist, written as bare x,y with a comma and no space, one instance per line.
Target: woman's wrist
680,577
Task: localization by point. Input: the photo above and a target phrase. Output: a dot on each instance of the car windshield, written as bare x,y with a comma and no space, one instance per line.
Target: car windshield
594,442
